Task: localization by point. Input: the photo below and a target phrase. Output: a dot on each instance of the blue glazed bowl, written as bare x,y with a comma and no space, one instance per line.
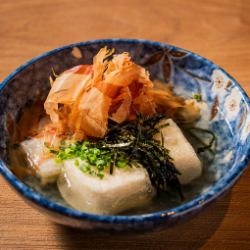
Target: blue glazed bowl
225,110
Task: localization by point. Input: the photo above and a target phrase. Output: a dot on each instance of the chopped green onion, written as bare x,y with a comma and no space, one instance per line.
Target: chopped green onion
197,97
77,163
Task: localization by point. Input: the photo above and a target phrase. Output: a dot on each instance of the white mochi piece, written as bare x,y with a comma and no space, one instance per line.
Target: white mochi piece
125,189
184,157
49,171
34,150
46,169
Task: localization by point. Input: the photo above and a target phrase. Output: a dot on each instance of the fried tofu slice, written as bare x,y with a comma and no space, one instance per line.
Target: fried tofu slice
46,168
181,151
125,189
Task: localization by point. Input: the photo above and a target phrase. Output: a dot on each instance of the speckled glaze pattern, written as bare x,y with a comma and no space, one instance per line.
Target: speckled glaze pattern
225,108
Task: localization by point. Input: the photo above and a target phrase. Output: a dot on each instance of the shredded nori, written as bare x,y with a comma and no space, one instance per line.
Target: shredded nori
137,145
199,135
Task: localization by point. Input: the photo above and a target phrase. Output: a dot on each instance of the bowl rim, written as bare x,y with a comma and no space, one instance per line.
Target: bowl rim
194,205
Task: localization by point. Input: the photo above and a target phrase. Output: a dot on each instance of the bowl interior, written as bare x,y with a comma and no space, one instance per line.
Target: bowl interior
224,106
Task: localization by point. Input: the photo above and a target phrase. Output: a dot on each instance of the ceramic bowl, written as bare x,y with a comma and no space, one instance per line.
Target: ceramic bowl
225,110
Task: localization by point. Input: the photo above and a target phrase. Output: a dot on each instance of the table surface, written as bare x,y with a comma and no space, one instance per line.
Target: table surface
216,29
